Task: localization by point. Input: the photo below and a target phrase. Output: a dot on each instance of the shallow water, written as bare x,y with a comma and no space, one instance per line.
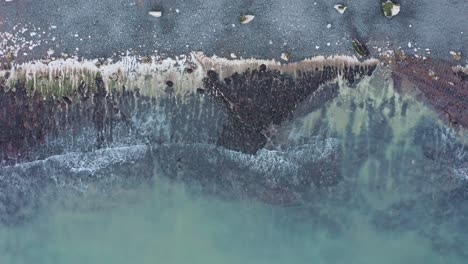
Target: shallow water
389,207
166,224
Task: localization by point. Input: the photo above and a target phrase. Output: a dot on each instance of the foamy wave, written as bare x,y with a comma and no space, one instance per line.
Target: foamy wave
66,170
149,74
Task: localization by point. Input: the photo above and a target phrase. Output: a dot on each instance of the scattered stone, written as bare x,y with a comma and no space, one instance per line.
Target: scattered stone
360,48
400,55
146,59
285,56
340,8
246,19
233,55
456,55
263,67
390,9
155,13
9,56
66,99
169,83
433,74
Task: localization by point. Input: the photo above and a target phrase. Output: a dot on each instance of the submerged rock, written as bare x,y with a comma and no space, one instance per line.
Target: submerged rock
390,9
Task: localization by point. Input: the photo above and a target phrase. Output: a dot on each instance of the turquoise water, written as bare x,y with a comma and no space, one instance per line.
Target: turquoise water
166,224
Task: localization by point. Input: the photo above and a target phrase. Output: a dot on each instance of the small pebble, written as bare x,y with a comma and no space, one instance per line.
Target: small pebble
456,55
155,13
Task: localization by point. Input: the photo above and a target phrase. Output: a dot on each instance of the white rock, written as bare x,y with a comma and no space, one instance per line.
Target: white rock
246,19
455,54
233,55
285,56
155,13
390,9
340,8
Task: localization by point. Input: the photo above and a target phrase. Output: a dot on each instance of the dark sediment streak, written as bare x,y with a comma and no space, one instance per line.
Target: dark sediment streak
441,86
259,100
